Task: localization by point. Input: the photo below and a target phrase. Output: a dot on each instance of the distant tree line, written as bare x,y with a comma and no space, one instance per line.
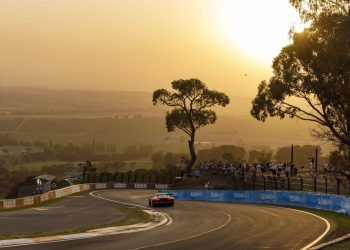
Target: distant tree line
230,153
71,152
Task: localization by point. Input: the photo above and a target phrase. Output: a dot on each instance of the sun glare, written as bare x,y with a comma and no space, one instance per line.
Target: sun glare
259,28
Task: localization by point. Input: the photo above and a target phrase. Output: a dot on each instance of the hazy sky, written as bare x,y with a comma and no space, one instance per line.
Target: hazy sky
141,44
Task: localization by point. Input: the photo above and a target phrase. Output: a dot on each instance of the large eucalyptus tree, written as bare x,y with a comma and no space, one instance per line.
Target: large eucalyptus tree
191,101
311,76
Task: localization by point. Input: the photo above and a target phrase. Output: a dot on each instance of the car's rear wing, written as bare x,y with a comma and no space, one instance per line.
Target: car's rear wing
170,194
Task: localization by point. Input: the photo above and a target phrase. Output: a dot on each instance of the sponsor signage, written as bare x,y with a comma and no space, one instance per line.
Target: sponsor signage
268,197
44,197
218,195
345,204
195,194
241,196
63,192
28,201
140,185
161,186
101,185
120,185
335,203
325,202
9,203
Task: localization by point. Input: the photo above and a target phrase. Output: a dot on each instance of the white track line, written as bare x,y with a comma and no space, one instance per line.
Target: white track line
190,237
321,236
197,235
166,220
170,220
120,202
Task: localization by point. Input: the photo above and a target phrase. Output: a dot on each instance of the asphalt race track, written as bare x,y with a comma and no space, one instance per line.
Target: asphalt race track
68,213
203,225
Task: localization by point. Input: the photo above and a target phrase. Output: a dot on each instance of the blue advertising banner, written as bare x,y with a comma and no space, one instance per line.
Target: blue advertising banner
336,203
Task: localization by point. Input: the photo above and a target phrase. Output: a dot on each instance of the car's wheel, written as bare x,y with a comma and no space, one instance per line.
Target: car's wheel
150,203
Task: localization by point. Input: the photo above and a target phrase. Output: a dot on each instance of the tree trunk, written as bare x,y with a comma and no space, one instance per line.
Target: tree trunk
193,155
347,157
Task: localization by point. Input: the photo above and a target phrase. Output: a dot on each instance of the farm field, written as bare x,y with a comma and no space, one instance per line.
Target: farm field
236,130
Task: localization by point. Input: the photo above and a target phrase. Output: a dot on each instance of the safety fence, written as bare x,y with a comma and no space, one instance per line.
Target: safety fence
246,181
59,193
336,203
331,184
129,177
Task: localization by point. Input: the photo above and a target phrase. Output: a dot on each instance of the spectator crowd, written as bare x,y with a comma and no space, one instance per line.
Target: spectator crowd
229,169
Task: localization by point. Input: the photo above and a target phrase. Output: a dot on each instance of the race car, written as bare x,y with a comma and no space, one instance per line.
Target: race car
161,199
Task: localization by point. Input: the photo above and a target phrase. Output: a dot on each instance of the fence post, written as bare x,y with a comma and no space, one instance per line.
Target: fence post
315,183
275,180
94,178
338,185
264,182
301,184
128,179
242,180
115,177
254,182
326,183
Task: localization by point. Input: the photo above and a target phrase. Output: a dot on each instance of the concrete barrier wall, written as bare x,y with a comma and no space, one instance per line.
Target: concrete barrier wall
336,203
59,193
36,199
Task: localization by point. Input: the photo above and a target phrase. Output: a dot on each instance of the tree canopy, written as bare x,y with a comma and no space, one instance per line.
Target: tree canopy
311,78
191,101
311,9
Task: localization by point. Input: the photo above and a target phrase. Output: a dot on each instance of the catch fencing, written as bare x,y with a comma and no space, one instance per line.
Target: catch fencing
328,184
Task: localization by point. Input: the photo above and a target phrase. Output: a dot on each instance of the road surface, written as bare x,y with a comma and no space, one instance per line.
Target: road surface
205,225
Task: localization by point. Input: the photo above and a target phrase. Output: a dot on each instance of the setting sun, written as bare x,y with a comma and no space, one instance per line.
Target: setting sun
256,27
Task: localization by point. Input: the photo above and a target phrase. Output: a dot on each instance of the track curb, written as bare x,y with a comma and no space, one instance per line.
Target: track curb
326,244
157,220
